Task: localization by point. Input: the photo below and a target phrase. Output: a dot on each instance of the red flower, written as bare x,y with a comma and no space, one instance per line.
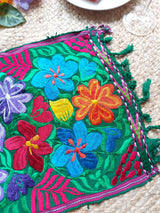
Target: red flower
31,144
39,112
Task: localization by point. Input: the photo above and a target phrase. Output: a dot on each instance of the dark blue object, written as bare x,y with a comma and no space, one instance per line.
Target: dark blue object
112,135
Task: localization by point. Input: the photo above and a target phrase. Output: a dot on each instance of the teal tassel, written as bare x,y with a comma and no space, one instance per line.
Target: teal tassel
128,49
157,159
132,84
108,39
88,206
146,93
152,127
147,117
125,62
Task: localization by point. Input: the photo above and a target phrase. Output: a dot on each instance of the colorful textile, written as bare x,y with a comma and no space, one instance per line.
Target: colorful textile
71,126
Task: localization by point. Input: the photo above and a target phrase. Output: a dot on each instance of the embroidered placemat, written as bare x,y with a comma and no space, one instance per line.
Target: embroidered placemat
72,130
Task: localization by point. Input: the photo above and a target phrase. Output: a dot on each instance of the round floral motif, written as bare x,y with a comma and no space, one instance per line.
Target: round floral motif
32,143
96,101
76,151
54,75
12,98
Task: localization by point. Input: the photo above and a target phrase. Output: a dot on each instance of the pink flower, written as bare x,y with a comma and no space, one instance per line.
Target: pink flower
39,111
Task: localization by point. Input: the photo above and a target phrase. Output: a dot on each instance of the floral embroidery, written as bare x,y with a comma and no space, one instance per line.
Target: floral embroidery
55,188
39,111
16,65
75,141
32,143
54,75
3,178
87,69
2,136
12,98
112,135
19,183
62,109
81,44
97,101
128,167
75,153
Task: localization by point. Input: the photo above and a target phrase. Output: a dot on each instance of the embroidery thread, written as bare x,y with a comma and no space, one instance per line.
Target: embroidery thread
71,126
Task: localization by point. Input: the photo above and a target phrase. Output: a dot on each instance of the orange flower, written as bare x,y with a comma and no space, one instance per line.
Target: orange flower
96,101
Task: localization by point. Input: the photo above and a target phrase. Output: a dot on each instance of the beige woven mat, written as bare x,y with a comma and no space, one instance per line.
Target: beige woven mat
48,17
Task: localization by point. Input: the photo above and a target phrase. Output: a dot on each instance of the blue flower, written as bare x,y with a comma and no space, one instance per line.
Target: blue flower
12,98
75,153
54,75
112,135
19,183
87,69
3,178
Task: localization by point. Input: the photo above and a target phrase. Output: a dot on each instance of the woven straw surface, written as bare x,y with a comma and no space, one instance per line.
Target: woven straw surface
48,17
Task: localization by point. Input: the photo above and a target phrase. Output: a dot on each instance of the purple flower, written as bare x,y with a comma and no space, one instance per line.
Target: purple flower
12,97
3,178
2,137
23,3
19,183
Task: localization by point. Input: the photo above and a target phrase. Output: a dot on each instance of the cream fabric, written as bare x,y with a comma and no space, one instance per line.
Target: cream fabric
48,17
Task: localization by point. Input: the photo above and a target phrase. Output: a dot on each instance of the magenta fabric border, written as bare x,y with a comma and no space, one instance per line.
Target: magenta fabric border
98,196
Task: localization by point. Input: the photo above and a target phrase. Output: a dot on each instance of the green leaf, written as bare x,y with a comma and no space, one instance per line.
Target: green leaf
98,173
10,16
109,164
30,75
107,182
24,205
3,203
15,207
97,185
46,51
124,147
100,162
92,177
84,186
9,159
71,57
2,160
2,74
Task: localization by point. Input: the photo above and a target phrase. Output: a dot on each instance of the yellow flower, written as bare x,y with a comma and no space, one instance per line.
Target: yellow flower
62,109
6,1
